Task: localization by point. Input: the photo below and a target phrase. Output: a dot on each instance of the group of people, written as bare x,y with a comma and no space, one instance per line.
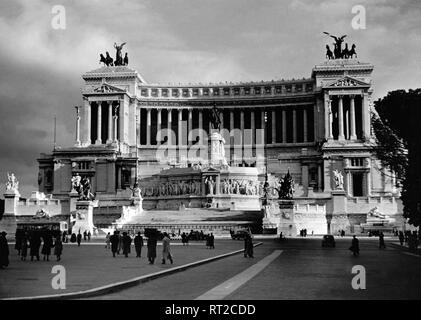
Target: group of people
303,233
121,242
30,241
411,238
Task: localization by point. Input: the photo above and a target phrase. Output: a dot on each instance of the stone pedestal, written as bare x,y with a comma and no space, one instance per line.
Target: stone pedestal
339,219
286,223
84,216
217,150
8,221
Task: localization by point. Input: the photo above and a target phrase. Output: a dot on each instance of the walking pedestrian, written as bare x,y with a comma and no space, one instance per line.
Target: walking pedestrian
58,248
127,241
114,239
24,247
166,251
382,245
151,244
47,239
138,244
107,241
85,235
248,246
18,240
4,251
401,238
355,246
79,239
34,243
211,241
89,235
120,242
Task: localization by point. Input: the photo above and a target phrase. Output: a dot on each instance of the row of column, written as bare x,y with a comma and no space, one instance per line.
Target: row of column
352,118
112,122
274,123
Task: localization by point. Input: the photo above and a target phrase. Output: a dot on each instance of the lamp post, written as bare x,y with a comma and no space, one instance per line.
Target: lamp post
137,149
266,184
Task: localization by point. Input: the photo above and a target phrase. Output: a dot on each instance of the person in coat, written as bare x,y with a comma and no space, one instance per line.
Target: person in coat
166,250
79,239
58,248
24,247
114,239
355,246
107,241
248,246
127,241
18,240
382,245
211,241
120,243
4,251
48,243
35,244
151,244
138,244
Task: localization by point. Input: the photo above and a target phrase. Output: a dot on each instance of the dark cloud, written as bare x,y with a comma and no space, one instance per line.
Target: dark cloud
177,41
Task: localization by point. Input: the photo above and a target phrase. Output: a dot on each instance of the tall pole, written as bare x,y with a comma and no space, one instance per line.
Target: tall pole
266,185
54,135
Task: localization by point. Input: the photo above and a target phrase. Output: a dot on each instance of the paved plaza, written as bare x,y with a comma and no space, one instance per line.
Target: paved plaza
293,269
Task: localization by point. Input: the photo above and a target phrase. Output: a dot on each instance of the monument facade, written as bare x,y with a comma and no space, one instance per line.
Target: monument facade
182,143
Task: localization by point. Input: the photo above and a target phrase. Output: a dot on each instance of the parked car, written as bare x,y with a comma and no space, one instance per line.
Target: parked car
239,234
328,241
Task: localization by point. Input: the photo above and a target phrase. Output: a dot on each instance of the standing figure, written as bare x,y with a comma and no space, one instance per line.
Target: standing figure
58,248
355,246
118,56
107,241
401,238
211,241
382,245
166,251
126,59
79,238
138,244
114,239
35,243
108,59
152,241
48,243
24,247
127,241
89,235
248,245
4,251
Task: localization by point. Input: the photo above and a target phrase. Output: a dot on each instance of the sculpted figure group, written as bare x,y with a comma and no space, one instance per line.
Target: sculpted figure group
83,187
119,60
338,52
173,188
12,183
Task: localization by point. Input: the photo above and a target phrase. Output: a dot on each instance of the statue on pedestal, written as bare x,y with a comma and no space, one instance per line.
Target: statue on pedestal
286,187
339,180
12,183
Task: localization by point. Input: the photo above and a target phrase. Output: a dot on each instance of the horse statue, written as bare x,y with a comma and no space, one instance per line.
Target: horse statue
329,53
286,187
118,55
345,52
337,45
352,52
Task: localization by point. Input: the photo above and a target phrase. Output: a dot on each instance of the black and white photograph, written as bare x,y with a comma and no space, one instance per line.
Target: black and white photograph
210,155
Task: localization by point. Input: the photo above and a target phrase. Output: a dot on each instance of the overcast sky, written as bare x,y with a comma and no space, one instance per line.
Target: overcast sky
178,41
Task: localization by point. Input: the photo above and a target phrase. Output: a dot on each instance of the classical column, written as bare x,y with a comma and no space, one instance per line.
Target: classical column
294,125
305,129
366,116
273,126
352,111
179,127
87,121
169,126
190,125
262,126
115,123
77,126
319,177
201,126
159,126
221,117
252,126
330,120
284,126
99,125
341,119
148,126
242,126
110,122
231,121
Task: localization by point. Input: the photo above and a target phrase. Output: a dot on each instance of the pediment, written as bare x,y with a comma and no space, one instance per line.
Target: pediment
107,88
347,82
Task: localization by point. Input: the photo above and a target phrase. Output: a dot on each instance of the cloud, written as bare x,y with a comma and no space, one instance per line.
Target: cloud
178,41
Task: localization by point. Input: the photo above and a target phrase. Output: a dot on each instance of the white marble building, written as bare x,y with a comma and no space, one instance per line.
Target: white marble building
310,127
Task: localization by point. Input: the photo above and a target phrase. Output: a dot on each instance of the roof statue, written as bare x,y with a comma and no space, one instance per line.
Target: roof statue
119,60
12,183
215,118
338,52
286,187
